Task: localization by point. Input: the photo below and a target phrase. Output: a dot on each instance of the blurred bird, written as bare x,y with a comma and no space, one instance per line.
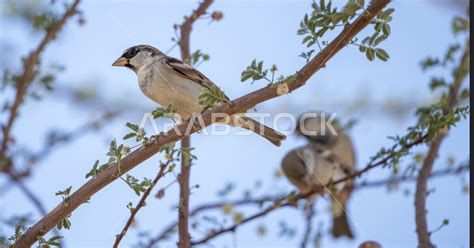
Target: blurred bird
370,244
169,81
327,158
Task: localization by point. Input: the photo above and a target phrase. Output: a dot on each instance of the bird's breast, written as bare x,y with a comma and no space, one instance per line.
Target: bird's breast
169,88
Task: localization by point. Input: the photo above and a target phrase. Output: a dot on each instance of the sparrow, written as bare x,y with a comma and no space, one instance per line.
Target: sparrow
326,158
169,81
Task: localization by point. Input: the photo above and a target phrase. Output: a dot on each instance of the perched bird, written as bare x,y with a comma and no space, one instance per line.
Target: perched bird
326,158
169,81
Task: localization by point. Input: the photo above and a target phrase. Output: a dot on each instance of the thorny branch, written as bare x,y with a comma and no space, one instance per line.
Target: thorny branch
29,74
183,206
141,203
184,176
86,191
427,166
187,26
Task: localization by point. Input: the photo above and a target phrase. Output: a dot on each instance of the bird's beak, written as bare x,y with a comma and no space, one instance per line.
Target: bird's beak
120,62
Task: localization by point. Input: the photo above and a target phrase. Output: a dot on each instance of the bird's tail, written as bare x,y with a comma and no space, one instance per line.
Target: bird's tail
340,223
268,133
340,226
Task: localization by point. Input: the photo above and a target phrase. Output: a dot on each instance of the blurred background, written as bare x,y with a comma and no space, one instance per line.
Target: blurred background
91,101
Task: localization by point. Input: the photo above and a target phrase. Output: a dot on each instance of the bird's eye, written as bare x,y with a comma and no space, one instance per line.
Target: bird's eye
132,52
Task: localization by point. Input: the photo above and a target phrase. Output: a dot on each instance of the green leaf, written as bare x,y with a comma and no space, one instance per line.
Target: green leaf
370,52
129,135
209,97
132,126
459,25
386,29
307,38
381,54
379,39
161,112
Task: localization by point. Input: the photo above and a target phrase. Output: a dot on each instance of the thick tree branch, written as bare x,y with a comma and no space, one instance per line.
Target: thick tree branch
422,231
86,191
142,201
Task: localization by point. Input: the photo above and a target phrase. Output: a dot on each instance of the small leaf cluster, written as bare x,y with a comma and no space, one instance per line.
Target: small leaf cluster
167,112
44,21
66,223
435,117
53,241
430,120
18,232
256,72
454,59
19,223
307,55
96,169
186,153
211,96
459,25
130,207
197,58
138,132
115,154
325,17
65,194
382,30
136,185
432,62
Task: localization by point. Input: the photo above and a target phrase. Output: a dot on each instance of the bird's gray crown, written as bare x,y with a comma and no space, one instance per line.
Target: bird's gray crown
132,51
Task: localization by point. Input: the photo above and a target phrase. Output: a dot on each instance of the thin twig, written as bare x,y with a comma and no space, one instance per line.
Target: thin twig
421,193
309,214
258,201
86,191
187,26
408,178
170,228
234,227
292,199
142,201
29,74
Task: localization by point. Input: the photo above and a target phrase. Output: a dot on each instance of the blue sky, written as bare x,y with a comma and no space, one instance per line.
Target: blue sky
264,30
